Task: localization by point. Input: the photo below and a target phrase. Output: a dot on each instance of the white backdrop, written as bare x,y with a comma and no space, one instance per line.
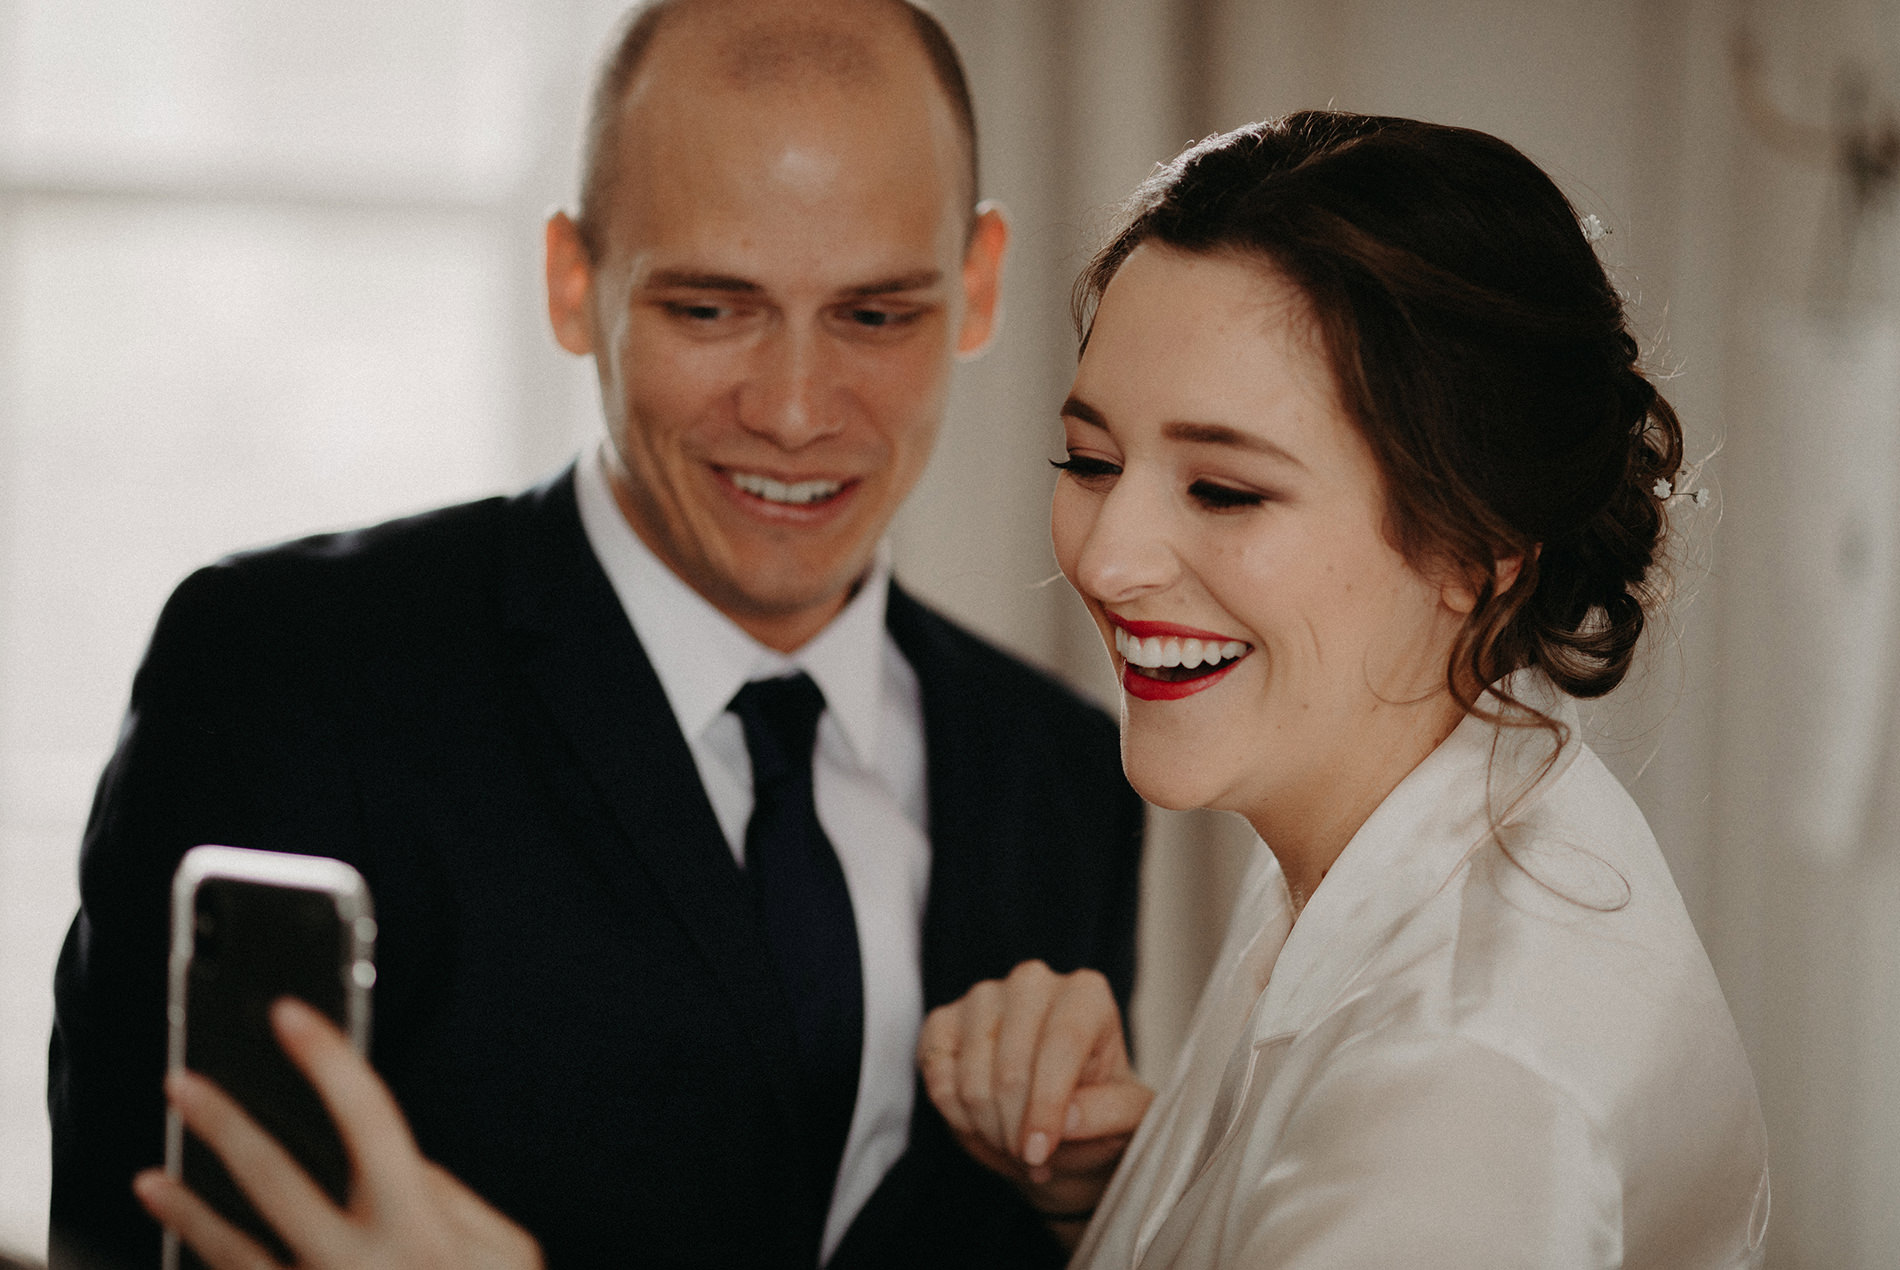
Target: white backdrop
272,267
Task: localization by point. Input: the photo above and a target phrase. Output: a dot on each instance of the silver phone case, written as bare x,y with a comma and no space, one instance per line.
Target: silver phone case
334,878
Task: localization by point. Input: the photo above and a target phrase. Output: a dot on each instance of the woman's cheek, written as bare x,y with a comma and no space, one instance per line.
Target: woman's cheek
1070,517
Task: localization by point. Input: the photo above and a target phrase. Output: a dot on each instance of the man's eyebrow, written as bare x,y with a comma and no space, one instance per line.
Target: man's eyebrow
688,280
918,281
1221,434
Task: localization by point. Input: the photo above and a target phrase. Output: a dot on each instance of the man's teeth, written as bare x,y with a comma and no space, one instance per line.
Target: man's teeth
797,493
1155,651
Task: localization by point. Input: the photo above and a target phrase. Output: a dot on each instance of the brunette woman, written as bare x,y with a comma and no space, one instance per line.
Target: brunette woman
1365,487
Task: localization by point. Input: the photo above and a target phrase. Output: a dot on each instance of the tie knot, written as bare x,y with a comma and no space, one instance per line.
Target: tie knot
780,717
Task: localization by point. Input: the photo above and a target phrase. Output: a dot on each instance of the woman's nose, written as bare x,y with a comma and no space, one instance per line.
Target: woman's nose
1128,551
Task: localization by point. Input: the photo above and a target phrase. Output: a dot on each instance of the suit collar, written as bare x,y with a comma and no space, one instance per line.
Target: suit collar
702,657
973,857
585,665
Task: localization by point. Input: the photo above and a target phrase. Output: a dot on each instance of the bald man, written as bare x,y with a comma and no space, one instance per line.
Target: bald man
606,1002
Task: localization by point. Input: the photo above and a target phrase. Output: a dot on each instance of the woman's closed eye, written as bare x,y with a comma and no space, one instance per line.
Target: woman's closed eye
1087,470
1221,498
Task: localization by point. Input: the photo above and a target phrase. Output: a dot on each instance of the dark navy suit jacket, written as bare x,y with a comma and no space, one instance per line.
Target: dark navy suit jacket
574,1006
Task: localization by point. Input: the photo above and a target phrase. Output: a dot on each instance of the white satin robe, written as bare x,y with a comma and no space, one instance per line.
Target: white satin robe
1454,1059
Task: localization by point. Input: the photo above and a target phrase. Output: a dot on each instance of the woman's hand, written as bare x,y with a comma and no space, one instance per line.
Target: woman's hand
404,1211
1032,1075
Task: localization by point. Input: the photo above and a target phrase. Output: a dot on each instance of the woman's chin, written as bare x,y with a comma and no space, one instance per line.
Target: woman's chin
1172,786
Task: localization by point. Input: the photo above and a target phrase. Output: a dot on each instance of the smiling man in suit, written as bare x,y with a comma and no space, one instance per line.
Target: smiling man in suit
677,811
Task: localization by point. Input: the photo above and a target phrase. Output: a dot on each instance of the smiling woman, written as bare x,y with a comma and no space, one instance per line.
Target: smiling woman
1364,485
1216,490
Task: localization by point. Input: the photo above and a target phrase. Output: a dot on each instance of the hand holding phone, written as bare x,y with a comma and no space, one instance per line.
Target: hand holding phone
249,927
339,1181
404,1211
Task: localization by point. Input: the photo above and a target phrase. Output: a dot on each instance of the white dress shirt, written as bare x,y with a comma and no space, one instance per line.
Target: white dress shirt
1469,1050
868,779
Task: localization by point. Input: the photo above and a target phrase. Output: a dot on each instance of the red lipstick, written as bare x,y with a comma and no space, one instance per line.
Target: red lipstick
1138,685
1166,630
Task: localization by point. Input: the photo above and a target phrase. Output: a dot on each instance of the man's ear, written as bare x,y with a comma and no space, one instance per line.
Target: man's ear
983,279
570,286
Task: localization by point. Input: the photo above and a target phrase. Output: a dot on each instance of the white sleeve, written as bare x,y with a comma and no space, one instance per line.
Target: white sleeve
1429,1152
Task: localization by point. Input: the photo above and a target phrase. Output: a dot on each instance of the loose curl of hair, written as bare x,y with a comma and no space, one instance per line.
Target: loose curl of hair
1482,352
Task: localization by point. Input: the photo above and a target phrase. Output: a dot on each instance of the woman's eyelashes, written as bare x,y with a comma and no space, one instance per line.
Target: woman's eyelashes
1222,498
1211,496
1087,470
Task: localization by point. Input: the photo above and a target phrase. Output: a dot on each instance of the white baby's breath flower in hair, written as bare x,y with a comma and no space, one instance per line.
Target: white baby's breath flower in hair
1593,228
1660,489
1702,498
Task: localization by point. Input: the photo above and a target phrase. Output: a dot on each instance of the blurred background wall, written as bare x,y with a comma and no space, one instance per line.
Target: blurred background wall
267,268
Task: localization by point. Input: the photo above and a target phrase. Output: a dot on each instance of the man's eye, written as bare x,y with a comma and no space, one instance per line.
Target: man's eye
1222,498
697,312
880,319
1086,469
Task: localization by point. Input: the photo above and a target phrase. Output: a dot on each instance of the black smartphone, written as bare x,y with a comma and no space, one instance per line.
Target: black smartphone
249,927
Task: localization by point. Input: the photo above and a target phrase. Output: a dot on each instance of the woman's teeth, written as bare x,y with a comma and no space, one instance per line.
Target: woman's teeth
796,494
1155,653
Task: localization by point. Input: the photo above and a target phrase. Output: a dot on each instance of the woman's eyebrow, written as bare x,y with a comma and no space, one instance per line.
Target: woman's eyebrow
1221,434
1082,412
1192,433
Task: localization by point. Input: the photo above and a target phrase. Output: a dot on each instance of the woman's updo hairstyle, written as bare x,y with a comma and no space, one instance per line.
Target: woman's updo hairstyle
1482,352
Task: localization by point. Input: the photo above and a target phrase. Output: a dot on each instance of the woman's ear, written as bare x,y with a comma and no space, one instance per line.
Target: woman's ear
1507,571
1460,592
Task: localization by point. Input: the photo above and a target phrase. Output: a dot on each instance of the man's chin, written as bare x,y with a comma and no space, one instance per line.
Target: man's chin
794,604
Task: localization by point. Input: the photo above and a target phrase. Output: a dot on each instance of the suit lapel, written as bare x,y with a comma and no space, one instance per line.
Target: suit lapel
970,856
583,661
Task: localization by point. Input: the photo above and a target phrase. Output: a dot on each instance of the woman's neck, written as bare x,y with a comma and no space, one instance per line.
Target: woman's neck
1307,829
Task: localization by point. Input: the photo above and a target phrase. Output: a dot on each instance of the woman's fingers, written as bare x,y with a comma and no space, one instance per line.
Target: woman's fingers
1089,1156
1029,994
937,1059
981,1017
275,1183
1080,1034
1109,1110
218,1243
374,1133
1009,1061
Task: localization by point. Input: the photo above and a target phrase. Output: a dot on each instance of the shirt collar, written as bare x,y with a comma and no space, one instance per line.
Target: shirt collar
1481,779
702,657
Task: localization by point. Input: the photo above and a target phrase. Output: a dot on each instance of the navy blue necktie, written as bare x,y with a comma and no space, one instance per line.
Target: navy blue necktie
799,890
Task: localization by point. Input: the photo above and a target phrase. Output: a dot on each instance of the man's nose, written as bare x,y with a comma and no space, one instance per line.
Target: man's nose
791,395
1129,551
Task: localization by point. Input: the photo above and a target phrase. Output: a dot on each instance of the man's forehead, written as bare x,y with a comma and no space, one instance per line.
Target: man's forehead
788,49
836,164
760,44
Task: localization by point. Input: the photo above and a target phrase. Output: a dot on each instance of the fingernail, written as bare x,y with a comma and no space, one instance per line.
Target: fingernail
146,1184
1036,1150
1072,1123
